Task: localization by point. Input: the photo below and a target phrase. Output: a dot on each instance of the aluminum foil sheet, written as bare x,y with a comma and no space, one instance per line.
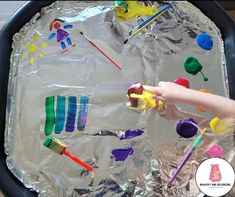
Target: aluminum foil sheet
156,54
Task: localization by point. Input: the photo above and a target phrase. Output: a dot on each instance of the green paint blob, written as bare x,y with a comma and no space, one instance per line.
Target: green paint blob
192,66
47,142
50,115
123,4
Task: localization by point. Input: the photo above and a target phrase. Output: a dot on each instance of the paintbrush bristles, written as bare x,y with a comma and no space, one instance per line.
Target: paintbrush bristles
55,145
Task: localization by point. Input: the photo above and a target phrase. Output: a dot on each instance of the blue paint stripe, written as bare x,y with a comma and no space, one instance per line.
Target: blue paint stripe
51,36
72,107
82,114
68,26
60,114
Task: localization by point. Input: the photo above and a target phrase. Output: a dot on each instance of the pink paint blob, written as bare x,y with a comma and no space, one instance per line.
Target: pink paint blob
215,151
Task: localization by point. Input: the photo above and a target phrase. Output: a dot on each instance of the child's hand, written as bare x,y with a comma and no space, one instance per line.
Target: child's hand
169,92
172,93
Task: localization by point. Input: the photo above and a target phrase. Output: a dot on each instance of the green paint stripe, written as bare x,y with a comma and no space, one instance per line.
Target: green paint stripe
50,115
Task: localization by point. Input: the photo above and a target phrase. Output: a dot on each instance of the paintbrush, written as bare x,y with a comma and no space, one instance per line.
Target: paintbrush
186,157
101,51
59,147
145,23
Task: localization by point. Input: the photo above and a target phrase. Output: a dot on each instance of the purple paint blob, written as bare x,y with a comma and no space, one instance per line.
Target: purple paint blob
186,128
61,35
121,154
131,134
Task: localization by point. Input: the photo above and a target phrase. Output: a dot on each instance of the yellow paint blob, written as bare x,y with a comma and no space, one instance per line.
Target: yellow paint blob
32,48
41,55
35,38
134,9
32,60
218,126
44,44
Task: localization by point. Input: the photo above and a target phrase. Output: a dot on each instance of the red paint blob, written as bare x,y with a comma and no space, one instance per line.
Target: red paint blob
137,89
182,81
56,25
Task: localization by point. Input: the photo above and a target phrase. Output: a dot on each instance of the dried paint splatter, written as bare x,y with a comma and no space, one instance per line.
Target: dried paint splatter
34,49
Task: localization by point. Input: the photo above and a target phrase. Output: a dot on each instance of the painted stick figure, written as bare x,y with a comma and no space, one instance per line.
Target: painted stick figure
62,36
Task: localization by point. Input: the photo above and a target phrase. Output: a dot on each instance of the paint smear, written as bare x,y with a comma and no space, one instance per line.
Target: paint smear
131,134
121,154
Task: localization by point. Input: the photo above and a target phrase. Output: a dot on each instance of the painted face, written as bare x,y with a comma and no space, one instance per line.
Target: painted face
57,25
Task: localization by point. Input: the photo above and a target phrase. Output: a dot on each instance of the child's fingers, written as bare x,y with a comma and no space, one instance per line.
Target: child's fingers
155,110
163,83
155,90
158,97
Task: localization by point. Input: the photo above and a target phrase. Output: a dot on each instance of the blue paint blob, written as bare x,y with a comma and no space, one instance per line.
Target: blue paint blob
186,128
204,41
68,26
121,154
62,45
131,134
69,41
51,36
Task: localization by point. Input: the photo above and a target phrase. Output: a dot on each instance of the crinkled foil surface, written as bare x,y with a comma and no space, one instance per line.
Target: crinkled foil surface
156,54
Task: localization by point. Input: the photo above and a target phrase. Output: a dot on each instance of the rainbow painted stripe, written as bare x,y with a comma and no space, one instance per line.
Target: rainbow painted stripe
50,115
60,114
82,114
55,118
72,108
